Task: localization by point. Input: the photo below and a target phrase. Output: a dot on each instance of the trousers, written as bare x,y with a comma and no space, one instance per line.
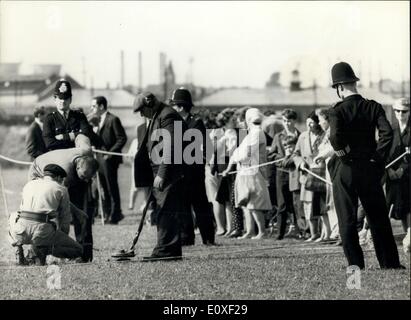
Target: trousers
360,180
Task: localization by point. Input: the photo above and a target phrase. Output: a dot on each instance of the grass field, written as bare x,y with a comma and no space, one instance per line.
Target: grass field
236,269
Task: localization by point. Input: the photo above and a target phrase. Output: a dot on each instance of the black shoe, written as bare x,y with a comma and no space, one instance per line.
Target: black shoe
235,234
159,258
117,219
209,243
280,237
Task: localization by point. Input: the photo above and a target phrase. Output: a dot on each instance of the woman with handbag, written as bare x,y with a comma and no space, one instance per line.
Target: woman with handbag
251,186
313,190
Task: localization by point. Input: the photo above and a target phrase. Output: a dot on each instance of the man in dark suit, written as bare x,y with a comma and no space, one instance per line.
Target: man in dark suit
35,145
160,157
357,167
113,137
181,101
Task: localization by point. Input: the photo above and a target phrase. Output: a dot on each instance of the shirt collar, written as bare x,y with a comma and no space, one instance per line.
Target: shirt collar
62,112
102,118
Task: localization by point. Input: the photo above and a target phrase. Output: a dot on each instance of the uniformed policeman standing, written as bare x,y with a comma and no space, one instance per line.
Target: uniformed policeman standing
196,196
357,168
62,126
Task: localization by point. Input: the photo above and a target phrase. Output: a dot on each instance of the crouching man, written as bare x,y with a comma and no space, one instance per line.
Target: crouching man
43,220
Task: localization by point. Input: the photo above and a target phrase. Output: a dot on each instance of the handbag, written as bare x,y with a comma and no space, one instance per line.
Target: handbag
314,184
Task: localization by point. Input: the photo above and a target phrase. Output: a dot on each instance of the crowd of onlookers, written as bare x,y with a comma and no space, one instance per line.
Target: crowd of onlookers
283,198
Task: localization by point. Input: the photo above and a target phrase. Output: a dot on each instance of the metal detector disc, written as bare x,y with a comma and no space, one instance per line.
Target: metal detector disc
123,254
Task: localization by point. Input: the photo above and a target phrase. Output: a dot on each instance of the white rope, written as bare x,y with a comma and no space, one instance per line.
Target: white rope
317,176
112,153
257,166
407,151
15,161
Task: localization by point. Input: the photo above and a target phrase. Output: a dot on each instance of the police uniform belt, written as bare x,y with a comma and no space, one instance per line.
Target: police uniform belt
35,216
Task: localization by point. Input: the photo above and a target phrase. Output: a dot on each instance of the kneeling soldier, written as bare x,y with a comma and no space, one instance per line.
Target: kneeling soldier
43,200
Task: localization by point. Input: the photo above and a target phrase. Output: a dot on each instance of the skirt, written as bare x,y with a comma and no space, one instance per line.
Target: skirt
251,192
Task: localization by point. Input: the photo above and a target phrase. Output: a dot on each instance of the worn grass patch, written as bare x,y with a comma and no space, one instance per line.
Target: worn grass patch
237,269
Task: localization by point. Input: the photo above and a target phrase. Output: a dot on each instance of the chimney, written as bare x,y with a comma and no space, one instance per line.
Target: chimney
162,67
121,69
295,84
140,72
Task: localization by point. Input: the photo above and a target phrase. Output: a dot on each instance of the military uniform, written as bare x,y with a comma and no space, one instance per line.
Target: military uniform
356,171
42,201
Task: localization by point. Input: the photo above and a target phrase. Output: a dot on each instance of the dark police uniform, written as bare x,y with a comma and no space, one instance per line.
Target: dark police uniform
356,171
196,196
56,124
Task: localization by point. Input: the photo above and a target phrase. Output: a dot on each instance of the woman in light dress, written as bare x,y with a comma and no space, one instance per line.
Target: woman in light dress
251,185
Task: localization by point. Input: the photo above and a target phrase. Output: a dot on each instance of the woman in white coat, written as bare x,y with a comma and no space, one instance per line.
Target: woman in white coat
251,185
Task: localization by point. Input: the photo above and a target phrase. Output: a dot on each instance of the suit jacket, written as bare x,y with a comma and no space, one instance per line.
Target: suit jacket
113,136
35,145
55,124
64,158
195,122
277,152
171,169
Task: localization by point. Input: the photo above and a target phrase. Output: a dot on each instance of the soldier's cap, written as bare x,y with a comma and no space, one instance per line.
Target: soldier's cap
402,104
143,99
62,90
54,170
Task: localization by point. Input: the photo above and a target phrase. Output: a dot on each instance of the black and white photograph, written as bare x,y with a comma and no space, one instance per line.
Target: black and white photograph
205,155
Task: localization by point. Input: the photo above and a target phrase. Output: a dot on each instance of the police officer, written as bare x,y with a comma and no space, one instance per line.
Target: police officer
357,167
61,127
44,200
196,196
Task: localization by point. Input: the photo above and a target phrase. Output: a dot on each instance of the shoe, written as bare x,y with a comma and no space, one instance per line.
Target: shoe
245,236
158,258
226,235
221,233
187,243
339,242
117,219
259,236
209,243
234,234
280,237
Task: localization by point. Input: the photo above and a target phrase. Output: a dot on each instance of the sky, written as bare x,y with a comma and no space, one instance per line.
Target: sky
233,43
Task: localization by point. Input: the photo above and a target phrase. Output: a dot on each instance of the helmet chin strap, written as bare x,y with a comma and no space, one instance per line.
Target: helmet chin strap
338,92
